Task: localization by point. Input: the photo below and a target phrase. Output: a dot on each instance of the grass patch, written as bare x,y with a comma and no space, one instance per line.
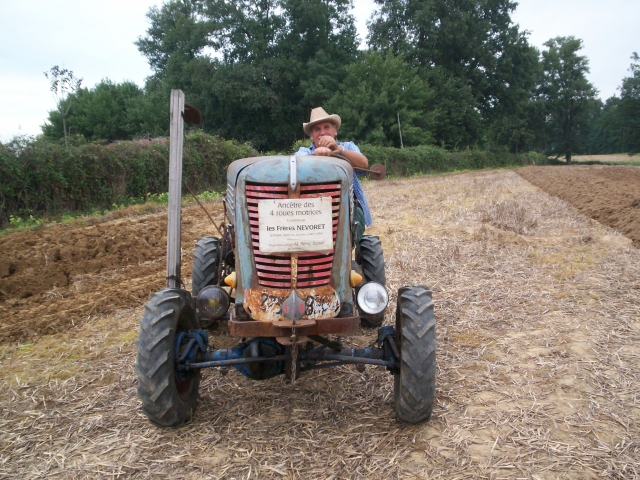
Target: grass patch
127,207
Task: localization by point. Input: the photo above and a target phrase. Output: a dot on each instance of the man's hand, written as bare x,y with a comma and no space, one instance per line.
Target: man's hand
323,151
329,142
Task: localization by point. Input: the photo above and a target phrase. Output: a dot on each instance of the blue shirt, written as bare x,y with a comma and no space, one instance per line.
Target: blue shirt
357,188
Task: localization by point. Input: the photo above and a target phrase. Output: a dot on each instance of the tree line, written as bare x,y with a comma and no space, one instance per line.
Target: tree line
451,73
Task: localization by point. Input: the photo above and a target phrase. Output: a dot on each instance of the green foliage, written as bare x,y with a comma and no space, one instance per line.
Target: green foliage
616,124
375,91
26,223
431,159
276,59
63,84
459,73
567,94
457,119
300,143
40,177
111,111
479,64
630,108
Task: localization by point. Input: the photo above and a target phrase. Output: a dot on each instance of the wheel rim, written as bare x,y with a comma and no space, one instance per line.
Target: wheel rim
183,387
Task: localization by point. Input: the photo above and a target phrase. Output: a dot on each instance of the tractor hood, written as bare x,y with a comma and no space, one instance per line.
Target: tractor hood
275,169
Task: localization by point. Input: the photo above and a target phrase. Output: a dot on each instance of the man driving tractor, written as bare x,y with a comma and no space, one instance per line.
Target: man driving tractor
323,129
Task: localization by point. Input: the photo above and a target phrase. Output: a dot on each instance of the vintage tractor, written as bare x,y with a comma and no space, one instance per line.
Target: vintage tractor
287,276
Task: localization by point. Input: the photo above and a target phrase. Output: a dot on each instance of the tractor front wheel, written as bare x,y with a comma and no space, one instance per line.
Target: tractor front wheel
167,400
206,259
415,383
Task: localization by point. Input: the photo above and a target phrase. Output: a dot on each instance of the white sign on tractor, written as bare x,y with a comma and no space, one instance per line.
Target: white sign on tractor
295,225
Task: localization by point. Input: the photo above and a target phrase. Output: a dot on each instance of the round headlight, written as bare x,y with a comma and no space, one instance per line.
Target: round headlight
213,302
372,298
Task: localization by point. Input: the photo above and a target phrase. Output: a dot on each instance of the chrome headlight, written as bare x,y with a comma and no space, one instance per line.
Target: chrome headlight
213,302
373,298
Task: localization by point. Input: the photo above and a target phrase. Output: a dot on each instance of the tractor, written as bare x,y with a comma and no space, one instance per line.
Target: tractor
290,277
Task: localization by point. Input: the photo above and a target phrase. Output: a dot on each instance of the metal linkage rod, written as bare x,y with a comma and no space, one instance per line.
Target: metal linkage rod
234,361
230,357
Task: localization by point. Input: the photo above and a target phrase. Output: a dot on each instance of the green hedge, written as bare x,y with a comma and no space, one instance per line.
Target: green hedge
39,177
43,178
430,159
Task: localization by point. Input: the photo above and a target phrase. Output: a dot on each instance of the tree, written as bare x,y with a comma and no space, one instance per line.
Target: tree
110,111
255,68
63,83
376,91
457,117
473,40
604,133
178,30
629,108
567,94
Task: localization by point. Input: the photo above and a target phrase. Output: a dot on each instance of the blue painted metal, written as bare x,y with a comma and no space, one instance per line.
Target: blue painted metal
187,346
275,170
260,358
384,333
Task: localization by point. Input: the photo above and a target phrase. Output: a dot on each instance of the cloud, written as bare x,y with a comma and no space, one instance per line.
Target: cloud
26,101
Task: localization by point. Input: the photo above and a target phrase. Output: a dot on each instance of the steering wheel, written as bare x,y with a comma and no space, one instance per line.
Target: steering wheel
376,172
342,157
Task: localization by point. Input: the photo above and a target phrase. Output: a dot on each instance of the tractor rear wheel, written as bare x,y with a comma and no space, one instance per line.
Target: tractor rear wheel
166,400
371,257
415,383
206,259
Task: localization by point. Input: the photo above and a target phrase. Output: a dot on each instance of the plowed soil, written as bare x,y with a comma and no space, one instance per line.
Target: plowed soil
57,277
538,331
608,194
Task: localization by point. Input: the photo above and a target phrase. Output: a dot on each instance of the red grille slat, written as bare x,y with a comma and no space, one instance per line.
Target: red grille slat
267,195
315,283
271,268
267,188
273,261
311,276
274,270
314,254
318,195
275,276
327,261
266,283
325,186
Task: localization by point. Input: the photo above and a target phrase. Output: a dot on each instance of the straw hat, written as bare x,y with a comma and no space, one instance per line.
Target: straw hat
319,115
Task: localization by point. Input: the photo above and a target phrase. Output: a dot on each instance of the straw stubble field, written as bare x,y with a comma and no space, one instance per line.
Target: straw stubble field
538,311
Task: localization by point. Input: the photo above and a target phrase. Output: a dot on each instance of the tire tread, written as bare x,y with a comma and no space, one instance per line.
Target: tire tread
157,387
205,264
415,383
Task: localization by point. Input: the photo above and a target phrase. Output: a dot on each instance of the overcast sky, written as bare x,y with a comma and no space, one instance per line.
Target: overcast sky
94,39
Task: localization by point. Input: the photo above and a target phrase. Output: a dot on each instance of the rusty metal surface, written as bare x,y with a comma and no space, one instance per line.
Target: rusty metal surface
265,304
274,171
270,266
326,326
294,271
377,172
286,341
191,114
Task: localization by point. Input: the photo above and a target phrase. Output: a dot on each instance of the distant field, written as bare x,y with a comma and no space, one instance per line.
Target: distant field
612,157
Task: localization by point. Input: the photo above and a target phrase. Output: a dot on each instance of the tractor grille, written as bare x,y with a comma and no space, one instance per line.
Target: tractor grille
274,269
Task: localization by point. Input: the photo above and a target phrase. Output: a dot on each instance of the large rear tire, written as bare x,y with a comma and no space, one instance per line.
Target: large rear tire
167,401
371,258
206,259
415,383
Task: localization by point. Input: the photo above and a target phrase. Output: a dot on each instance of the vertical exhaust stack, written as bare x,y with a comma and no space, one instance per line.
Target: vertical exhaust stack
176,139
